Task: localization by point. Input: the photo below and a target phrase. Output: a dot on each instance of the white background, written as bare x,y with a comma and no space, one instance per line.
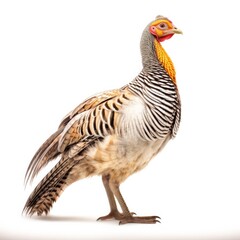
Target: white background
54,54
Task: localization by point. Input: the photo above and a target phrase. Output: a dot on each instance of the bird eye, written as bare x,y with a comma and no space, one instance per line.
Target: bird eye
163,26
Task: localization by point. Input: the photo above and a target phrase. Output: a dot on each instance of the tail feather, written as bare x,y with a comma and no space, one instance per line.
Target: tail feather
54,183
47,152
50,188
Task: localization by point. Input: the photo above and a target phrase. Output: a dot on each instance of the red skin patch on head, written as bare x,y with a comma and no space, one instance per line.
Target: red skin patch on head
152,30
161,39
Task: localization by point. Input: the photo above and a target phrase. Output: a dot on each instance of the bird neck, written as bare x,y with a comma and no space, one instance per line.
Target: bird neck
165,60
153,55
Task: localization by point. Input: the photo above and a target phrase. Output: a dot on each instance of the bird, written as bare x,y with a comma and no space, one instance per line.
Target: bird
115,133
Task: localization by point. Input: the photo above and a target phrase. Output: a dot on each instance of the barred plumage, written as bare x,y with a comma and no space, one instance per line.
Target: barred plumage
162,102
115,133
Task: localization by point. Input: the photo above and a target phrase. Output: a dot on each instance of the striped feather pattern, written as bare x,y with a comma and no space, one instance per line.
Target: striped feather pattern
162,101
114,133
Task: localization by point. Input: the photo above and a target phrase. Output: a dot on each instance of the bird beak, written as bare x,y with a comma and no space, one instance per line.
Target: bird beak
178,31
172,31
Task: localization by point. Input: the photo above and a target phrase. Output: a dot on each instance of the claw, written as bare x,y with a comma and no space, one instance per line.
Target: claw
130,218
112,215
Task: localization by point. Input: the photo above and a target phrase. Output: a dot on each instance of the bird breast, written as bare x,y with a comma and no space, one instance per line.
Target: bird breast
121,157
131,119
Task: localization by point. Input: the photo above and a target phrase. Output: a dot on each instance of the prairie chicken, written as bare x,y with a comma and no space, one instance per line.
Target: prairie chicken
115,133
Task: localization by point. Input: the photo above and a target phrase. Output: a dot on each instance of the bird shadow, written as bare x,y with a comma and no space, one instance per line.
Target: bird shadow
53,218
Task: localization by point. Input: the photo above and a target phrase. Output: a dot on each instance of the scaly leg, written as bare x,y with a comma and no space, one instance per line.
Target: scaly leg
114,213
127,216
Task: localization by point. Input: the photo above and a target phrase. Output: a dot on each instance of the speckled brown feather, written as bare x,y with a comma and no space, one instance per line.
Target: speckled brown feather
49,149
101,112
72,144
113,134
89,104
54,183
47,152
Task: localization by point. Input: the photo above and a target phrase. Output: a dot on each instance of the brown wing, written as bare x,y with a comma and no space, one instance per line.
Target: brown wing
90,103
99,120
73,128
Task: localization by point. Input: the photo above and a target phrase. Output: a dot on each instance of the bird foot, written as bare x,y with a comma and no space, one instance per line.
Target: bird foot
145,220
114,215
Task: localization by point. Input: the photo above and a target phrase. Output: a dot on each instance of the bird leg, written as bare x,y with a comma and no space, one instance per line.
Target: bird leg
114,213
127,216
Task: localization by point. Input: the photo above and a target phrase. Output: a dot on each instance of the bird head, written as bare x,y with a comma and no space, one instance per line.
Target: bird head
162,29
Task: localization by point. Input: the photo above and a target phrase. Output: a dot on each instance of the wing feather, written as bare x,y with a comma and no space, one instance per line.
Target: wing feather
90,103
99,120
95,117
